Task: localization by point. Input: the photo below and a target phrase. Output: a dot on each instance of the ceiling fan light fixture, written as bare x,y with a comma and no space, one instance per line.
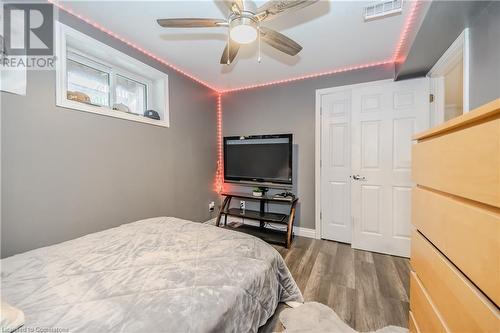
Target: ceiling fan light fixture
244,24
243,30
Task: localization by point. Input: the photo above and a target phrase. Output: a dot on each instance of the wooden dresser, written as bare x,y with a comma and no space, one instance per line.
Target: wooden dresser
455,251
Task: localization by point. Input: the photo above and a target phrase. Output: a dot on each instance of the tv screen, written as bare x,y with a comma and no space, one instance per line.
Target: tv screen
258,158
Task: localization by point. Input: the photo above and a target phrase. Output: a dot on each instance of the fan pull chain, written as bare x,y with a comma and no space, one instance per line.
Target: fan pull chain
228,47
259,57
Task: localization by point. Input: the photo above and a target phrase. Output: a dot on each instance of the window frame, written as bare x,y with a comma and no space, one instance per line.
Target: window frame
113,71
82,60
155,81
131,77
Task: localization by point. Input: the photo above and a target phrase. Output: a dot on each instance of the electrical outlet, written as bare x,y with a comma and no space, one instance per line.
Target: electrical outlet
211,206
242,204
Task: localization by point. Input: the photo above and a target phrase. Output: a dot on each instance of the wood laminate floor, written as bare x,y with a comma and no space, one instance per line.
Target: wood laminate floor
367,290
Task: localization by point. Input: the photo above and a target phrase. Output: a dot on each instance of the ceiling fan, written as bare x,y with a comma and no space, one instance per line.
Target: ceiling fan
244,23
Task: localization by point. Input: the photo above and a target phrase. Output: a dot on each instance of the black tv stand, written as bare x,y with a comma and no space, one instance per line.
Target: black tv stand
267,234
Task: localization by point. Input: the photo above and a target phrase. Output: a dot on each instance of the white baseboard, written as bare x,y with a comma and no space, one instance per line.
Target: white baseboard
304,232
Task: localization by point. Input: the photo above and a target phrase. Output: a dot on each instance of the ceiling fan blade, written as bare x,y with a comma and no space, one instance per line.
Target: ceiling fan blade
239,4
191,23
279,41
236,6
274,8
233,51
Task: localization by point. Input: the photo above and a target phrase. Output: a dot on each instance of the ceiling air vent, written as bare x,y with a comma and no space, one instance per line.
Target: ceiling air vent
383,9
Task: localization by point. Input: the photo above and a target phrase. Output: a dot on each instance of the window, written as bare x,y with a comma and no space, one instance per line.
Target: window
131,93
89,82
96,78
92,82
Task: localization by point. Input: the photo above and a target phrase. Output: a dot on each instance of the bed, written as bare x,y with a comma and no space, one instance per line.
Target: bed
156,275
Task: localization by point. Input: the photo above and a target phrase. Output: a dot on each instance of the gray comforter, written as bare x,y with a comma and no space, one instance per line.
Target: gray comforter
156,275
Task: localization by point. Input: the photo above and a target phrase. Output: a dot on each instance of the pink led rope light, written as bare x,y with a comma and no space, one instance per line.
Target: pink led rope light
219,178
219,175
397,57
308,76
405,33
138,48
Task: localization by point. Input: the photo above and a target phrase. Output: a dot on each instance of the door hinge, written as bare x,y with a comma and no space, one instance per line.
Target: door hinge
320,163
431,98
320,215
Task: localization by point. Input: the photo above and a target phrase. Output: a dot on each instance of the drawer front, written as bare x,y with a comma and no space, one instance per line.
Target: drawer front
424,312
464,163
412,326
450,223
462,306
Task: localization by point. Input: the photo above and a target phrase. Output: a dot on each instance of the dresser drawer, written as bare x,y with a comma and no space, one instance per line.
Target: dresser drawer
466,232
464,163
461,305
412,326
424,312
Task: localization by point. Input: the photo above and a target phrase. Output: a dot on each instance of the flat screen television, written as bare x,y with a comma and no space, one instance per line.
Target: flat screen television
258,159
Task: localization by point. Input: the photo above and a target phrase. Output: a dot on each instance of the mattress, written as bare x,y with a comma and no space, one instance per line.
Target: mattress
156,275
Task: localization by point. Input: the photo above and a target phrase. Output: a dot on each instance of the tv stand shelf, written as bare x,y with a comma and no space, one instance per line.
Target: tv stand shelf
257,215
262,216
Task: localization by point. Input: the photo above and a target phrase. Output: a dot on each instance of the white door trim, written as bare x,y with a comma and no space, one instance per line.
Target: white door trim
317,143
459,50
436,107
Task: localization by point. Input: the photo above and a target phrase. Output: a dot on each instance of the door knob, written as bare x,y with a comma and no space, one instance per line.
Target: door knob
358,177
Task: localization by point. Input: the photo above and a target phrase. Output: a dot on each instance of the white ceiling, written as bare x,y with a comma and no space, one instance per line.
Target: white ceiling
333,34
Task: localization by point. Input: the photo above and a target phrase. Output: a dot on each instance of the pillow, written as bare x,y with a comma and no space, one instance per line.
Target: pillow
11,318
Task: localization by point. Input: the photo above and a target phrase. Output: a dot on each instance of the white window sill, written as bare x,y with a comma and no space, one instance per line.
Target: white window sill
104,111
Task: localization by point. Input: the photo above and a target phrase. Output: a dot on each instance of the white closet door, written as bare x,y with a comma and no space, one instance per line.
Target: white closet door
384,119
335,166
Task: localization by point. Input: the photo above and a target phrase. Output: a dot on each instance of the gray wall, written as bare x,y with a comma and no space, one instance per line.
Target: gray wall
290,108
484,82
443,23
67,173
